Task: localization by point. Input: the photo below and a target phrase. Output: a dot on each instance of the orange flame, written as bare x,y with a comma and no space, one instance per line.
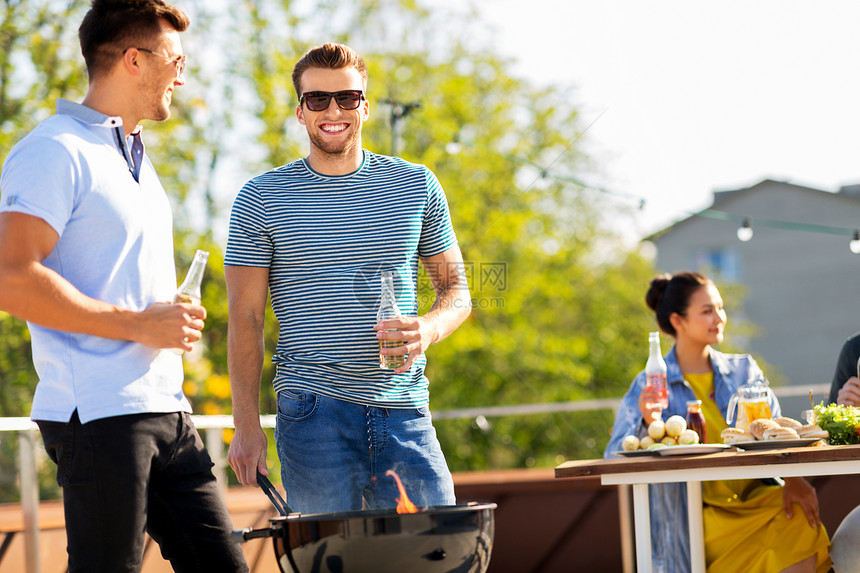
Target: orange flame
403,503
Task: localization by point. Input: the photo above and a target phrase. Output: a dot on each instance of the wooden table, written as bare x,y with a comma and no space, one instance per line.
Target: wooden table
694,469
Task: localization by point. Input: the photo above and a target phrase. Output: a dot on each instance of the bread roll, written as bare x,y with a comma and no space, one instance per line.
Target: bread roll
688,437
757,427
675,425
630,443
735,435
657,429
780,433
813,431
788,422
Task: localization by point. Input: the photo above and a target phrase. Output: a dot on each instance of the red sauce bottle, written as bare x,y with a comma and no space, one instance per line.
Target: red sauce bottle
695,419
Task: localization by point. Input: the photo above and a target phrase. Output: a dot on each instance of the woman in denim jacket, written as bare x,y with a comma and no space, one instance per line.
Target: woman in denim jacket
750,525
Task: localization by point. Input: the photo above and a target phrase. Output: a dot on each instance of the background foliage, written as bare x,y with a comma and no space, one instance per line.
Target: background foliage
558,298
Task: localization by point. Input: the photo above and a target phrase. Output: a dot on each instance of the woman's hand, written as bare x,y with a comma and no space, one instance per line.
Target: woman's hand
650,404
798,490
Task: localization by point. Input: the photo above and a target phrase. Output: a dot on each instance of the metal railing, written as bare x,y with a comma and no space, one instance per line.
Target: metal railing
212,428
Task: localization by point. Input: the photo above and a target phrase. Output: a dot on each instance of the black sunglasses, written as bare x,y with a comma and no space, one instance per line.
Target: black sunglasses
319,101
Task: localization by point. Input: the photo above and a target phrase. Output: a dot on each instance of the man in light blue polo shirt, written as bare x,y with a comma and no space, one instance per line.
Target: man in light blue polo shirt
86,257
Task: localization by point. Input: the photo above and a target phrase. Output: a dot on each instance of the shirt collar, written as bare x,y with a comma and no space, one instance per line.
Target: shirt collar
133,155
90,116
673,371
720,363
364,159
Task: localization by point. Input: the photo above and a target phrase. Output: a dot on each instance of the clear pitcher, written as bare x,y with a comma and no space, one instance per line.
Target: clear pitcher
752,402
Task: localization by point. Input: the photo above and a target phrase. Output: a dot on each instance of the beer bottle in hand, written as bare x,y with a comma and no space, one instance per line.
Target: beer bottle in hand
189,290
388,310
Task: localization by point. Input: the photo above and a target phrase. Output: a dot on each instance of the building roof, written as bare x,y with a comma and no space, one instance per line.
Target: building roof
723,200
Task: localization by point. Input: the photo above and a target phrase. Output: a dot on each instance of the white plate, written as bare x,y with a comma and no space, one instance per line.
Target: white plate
634,453
775,444
691,449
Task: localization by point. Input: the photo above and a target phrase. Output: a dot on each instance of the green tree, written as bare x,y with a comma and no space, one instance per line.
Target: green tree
558,299
558,312
38,63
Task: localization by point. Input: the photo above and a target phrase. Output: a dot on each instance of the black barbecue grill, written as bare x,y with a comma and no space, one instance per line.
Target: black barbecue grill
439,539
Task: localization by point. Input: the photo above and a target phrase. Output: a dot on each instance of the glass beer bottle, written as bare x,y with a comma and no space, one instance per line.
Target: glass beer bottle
388,310
655,370
190,289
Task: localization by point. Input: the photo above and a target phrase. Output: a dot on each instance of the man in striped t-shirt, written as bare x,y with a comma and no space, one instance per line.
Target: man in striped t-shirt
318,233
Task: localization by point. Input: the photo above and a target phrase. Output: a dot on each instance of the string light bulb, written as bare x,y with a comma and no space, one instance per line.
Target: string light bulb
745,231
854,245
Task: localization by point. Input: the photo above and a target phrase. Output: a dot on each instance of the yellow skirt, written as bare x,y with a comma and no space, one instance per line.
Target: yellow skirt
746,530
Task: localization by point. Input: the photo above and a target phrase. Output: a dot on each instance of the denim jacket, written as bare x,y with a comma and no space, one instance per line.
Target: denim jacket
670,542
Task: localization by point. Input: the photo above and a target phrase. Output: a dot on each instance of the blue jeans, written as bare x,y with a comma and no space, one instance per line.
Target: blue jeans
334,453
125,475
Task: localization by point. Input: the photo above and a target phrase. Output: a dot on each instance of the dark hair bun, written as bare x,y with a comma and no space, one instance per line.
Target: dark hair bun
656,290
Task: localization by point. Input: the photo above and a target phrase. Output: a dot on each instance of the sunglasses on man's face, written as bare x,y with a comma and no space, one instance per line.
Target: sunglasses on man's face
319,101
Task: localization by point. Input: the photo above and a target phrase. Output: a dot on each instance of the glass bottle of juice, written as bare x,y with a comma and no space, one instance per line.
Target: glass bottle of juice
696,419
655,370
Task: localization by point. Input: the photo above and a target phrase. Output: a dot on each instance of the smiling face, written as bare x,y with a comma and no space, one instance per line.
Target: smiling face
334,133
159,74
705,318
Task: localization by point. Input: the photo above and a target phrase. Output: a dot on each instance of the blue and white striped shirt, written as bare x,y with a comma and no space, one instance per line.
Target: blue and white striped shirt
326,240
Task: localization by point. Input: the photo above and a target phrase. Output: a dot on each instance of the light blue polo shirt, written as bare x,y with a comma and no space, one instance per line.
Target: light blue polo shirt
97,189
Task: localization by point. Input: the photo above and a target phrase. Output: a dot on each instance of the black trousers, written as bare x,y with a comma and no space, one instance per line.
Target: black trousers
127,475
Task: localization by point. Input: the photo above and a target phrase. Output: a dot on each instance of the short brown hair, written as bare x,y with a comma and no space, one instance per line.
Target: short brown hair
328,56
121,24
